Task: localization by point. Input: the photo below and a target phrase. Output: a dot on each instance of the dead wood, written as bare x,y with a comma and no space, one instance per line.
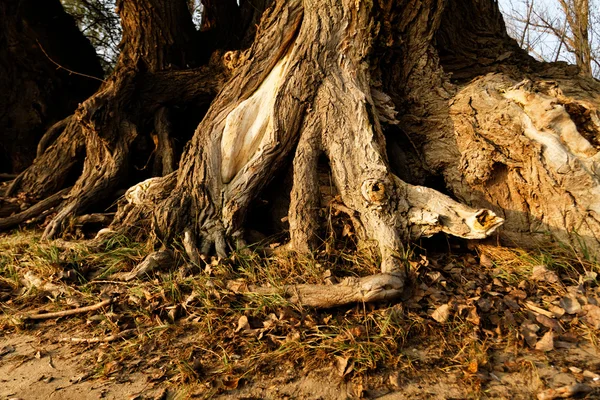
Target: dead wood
67,313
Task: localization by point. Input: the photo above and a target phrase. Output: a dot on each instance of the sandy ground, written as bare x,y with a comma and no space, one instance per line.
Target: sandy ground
34,367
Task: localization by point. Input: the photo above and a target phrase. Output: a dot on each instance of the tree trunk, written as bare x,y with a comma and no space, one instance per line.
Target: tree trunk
131,110
388,97
46,68
305,91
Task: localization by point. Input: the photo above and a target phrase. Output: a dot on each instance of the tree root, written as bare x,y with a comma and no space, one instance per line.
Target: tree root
158,259
7,177
67,313
373,288
51,134
33,211
97,218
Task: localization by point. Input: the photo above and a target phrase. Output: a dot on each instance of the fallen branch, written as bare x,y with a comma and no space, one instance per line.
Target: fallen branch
106,339
66,313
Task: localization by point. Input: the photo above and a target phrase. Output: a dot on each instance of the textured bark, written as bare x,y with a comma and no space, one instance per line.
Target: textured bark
40,46
147,81
305,84
386,98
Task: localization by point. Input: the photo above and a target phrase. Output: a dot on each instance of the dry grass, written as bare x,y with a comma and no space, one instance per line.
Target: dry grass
195,333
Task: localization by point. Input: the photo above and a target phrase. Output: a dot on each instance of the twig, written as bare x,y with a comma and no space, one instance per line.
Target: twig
66,313
106,339
67,69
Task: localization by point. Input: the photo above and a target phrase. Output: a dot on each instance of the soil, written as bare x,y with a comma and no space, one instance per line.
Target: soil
41,367
494,323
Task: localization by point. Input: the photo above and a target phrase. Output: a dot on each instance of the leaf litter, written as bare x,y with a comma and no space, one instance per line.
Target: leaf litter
475,321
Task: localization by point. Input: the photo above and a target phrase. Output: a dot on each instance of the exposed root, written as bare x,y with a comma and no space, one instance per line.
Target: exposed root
33,211
51,134
303,213
67,313
7,177
155,260
101,219
379,287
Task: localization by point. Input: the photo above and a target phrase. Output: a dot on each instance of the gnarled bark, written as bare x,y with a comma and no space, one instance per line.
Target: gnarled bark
306,84
390,96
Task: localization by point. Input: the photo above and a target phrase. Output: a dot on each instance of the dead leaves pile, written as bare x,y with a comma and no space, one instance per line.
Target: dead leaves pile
519,307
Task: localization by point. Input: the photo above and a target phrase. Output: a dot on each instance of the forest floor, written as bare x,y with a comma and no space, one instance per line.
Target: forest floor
477,322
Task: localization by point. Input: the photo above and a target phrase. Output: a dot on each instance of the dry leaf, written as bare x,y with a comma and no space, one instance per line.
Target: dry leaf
484,304
564,392
486,261
592,315
543,274
539,310
570,305
344,365
546,343
550,323
243,323
441,314
473,317
528,330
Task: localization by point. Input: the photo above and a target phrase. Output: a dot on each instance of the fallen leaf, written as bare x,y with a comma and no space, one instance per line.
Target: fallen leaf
484,304
518,294
546,343
243,323
528,330
570,304
441,314
549,323
486,261
564,392
539,310
473,317
543,274
556,311
592,315
344,365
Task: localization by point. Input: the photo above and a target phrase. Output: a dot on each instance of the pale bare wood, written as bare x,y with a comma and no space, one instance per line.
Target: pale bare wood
373,288
67,313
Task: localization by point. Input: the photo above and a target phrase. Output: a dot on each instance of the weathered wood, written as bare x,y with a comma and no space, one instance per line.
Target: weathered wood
68,313
379,287
33,211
